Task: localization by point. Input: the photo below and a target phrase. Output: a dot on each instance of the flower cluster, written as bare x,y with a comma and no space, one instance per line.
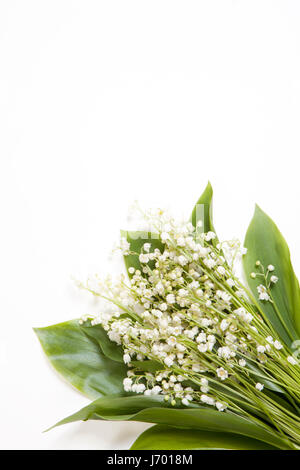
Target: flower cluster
188,327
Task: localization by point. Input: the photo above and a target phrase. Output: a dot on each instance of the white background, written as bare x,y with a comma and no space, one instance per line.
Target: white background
105,102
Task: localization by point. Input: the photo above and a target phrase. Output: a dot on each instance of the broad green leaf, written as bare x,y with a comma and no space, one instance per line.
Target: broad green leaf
160,437
203,210
79,359
109,348
136,241
155,410
266,244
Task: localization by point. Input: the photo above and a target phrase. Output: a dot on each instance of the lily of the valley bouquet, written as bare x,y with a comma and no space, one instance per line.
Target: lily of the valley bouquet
185,343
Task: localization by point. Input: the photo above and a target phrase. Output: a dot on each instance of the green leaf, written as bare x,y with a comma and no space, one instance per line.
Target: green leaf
79,359
115,408
153,409
148,366
109,348
266,244
170,438
259,376
203,210
137,241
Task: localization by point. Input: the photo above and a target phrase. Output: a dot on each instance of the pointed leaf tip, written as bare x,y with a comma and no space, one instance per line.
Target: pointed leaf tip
203,209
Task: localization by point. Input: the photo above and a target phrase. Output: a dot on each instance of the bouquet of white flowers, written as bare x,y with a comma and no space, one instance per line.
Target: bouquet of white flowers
184,343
